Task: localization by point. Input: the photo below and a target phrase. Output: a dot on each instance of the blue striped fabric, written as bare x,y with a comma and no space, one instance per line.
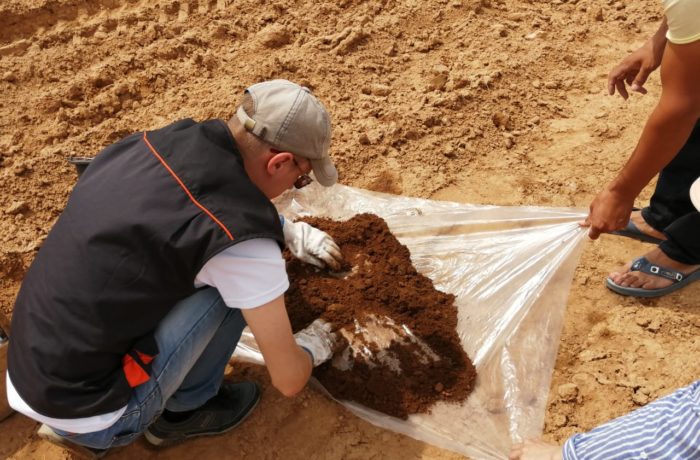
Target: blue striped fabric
668,429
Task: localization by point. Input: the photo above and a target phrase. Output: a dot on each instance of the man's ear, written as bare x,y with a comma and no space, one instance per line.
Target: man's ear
279,161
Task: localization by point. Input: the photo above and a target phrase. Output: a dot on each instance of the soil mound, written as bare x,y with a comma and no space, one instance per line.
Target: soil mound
403,353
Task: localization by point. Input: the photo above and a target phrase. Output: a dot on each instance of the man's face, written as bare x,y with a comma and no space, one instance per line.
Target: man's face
290,171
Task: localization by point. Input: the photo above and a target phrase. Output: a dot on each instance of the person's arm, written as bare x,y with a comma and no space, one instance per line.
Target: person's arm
666,428
665,132
289,359
288,364
635,68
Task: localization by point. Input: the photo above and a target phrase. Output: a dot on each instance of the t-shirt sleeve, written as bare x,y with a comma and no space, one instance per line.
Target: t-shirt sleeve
683,19
248,274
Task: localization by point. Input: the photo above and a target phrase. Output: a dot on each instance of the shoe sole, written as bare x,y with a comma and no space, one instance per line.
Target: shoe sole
83,453
159,442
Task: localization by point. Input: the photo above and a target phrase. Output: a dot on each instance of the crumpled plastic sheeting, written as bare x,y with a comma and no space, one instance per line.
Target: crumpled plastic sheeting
510,269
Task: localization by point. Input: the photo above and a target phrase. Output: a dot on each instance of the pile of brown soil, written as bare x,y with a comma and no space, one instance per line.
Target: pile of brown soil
403,351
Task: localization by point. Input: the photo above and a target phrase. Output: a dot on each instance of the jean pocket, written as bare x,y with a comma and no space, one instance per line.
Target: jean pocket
122,439
127,428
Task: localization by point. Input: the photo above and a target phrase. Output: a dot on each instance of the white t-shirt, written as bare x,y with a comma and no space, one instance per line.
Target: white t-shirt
683,19
248,275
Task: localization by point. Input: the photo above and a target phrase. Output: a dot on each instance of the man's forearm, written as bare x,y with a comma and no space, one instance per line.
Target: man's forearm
664,134
666,428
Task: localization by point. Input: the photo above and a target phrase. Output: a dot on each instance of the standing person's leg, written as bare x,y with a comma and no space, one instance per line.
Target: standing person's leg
670,200
195,341
683,244
676,261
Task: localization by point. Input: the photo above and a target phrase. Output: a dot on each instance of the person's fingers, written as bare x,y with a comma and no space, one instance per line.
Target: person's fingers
611,85
585,223
640,78
332,263
330,251
332,248
593,233
594,230
323,324
331,254
614,76
339,344
622,89
309,259
515,452
329,259
336,256
638,88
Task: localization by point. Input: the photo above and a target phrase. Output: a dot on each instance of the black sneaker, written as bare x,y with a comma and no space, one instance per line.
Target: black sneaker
81,452
220,414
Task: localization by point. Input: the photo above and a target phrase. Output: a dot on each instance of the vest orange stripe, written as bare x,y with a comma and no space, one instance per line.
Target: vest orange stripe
184,187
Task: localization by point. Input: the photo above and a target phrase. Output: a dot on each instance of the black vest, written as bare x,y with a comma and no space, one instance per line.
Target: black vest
143,219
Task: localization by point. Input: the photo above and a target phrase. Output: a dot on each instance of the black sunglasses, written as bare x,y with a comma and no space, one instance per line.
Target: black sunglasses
303,180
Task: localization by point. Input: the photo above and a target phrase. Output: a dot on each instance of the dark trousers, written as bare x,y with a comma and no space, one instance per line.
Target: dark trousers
670,210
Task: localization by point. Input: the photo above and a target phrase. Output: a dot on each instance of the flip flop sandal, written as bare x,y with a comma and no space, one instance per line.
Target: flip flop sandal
643,265
632,231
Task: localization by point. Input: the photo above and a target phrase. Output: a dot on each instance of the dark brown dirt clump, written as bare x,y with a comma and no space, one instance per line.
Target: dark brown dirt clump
404,353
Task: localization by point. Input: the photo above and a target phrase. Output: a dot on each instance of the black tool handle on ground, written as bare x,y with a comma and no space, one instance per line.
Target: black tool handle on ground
80,163
5,409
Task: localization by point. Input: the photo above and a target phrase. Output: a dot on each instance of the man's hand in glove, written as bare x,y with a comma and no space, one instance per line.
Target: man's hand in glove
318,340
311,245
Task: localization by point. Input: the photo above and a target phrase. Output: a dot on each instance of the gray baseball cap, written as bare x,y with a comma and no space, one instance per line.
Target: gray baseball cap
290,118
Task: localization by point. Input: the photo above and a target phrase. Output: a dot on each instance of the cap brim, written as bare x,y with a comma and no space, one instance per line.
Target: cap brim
324,171
695,193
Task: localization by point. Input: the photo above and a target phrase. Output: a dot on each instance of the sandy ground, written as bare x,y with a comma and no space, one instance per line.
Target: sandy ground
487,102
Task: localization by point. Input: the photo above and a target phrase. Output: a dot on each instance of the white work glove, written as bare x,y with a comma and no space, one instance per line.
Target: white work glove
311,245
318,340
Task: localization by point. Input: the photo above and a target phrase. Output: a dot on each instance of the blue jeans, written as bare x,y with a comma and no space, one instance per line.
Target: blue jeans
196,340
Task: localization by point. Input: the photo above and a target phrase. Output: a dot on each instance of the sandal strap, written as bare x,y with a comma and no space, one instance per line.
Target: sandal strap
643,265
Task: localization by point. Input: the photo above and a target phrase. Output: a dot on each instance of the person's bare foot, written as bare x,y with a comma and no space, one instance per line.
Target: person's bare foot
641,224
535,450
625,277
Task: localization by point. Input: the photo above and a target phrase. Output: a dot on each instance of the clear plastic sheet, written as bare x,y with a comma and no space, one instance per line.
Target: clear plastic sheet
510,269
